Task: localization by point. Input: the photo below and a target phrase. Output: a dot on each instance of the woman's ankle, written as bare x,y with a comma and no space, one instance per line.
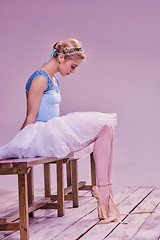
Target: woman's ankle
108,188
104,192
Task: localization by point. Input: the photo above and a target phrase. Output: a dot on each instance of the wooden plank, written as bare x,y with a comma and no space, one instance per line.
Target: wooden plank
93,170
88,221
27,162
58,225
51,214
78,221
3,221
86,187
38,204
50,206
68,197
8,208
150,229
13,170
13,204
14,215
65,160
23,207
81,184
68,173
69,189
13,163
39,227
47,180
10,226
74,174
73,217
60,188
66,191
84,196
30,185
126,205
45,217
135,221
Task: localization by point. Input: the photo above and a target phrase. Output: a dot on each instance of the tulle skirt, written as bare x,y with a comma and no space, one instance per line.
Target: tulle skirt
59,136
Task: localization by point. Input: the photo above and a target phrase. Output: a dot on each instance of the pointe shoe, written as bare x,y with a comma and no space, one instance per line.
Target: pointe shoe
106,214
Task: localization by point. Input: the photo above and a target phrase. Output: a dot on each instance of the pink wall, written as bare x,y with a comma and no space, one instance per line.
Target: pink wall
121,73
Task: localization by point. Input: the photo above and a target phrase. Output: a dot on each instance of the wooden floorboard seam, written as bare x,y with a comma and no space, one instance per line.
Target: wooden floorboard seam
78,221
137,205
36,219
86,231
88,200
145,222
130,212
148,192
98,220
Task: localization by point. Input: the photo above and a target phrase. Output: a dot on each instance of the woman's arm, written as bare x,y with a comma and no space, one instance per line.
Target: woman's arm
34,96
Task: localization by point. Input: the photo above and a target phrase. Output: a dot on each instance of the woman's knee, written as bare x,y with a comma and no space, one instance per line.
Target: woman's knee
107,130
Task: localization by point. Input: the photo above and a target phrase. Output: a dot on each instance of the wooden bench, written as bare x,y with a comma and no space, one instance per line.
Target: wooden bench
24,169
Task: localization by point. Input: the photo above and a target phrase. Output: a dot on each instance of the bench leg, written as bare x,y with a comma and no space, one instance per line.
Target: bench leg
47,180
93,171
75,183
30,189
23,207
68,173
60,188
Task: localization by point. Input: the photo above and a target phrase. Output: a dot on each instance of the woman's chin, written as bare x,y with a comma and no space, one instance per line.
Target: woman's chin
64,74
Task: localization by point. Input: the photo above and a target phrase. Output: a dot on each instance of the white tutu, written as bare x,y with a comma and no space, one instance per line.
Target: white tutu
59,136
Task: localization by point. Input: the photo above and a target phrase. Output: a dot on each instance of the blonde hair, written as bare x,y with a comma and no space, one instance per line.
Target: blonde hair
68,45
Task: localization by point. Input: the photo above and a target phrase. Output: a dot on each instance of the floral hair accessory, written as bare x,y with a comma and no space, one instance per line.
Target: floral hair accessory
70,51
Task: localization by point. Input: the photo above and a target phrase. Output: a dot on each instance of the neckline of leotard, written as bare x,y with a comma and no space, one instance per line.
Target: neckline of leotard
50,77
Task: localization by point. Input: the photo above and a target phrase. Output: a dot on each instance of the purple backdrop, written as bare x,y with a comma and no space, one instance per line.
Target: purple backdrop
121,73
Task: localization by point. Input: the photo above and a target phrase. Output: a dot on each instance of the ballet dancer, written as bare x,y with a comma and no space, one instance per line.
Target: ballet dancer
46,133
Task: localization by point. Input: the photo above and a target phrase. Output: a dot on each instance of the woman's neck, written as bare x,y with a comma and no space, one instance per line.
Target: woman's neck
51,67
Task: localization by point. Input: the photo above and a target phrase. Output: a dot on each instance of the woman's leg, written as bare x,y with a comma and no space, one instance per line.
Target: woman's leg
103,151
110,163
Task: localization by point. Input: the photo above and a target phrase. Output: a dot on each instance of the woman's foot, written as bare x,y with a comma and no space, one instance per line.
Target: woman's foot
104,192
107,209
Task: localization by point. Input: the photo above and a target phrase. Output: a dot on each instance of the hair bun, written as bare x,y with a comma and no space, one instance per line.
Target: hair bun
57,46
67,45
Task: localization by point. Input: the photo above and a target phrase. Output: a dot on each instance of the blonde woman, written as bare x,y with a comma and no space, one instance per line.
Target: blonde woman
45,133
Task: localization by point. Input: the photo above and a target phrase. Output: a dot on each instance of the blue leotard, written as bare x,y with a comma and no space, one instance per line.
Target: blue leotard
51,98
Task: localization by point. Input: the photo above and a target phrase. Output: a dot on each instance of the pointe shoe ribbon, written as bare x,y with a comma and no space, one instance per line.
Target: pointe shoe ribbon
103,211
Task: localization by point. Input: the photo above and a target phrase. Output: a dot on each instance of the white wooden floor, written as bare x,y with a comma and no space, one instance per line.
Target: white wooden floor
81,223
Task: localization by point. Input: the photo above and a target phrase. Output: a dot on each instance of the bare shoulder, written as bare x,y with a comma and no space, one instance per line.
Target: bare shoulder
38,84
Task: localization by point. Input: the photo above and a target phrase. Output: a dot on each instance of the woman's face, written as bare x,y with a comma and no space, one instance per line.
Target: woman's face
68,66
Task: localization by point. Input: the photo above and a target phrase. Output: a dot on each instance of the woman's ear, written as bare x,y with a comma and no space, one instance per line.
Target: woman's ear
61,58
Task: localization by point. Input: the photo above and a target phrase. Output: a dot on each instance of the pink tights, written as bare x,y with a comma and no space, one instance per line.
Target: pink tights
103,154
